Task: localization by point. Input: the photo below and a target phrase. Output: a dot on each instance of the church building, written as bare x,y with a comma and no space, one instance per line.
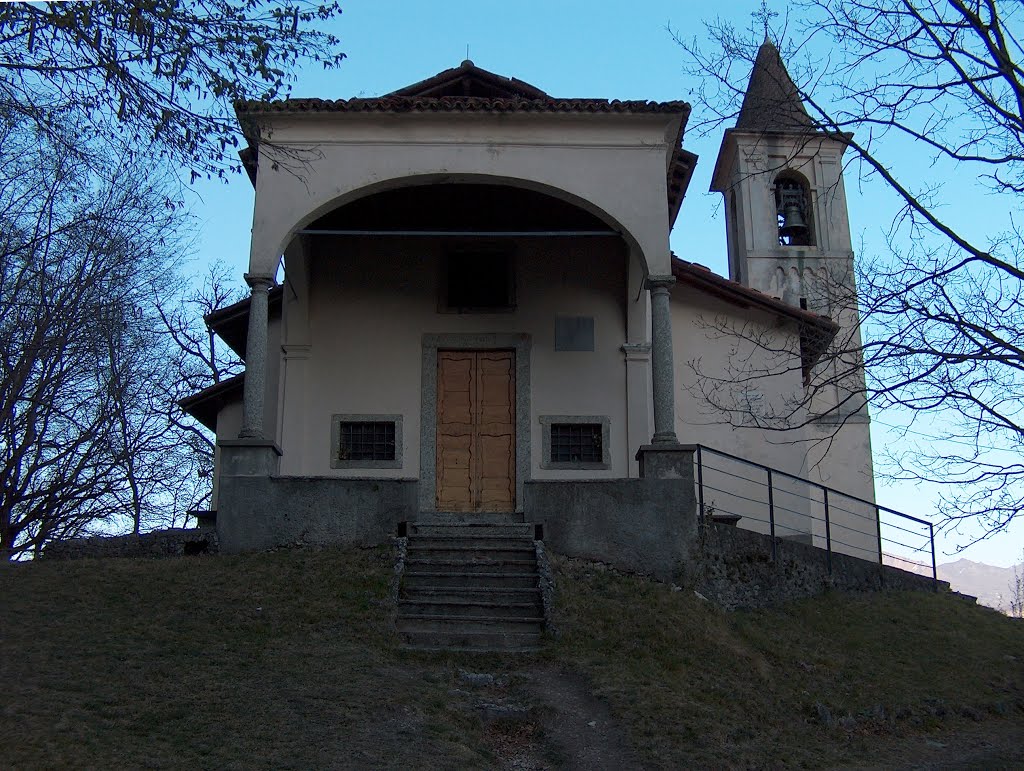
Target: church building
464,304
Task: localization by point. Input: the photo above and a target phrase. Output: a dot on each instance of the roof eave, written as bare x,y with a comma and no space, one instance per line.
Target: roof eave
206,404
231,323
702,278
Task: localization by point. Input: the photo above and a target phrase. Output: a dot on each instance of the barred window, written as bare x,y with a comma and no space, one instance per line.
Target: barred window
576,443
366,441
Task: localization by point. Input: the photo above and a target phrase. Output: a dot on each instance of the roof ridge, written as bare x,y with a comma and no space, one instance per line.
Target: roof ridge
468,77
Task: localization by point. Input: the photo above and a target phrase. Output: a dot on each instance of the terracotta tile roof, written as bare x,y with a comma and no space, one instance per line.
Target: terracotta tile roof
772,101
231,323
466,88
469,80
462,104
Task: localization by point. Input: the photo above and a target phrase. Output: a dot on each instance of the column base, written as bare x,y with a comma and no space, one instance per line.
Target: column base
245,457
666,460
666,437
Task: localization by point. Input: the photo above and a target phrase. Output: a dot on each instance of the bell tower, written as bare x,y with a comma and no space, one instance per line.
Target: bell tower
785,204
789,237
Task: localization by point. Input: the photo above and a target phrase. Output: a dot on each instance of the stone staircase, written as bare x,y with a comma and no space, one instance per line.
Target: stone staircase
471,583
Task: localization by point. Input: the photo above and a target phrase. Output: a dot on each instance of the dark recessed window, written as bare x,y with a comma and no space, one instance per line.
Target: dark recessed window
576,443
479,281
366,440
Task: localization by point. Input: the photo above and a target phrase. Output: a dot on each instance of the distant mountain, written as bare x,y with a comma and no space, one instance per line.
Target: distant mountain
991,585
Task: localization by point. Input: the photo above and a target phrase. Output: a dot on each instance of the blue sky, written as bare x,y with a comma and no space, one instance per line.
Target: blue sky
569,48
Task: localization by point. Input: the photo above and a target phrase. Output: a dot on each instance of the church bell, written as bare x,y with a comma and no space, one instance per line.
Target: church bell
792,223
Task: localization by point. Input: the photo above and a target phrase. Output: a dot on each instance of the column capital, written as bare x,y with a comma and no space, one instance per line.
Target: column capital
636,351
654,283
256,281
296,351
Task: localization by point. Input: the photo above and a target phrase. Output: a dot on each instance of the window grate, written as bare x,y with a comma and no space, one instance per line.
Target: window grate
576,443
366,440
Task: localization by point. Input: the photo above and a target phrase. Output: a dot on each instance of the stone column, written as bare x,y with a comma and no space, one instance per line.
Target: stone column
255,358
662,372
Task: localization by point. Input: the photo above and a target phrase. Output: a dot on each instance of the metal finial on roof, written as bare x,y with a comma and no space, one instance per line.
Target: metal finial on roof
764,15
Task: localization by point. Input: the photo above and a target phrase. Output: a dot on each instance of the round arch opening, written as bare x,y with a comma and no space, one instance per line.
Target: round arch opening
469,209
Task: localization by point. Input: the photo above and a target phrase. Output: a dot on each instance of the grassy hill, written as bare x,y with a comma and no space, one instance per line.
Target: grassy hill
288,660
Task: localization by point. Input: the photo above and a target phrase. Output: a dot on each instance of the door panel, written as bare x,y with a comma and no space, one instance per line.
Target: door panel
476,431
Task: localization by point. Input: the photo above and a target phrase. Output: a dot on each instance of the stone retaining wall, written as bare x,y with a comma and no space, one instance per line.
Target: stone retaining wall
734,569
642,525
263,512
177,542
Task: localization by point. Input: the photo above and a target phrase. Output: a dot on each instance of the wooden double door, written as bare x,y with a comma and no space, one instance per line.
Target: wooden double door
476,431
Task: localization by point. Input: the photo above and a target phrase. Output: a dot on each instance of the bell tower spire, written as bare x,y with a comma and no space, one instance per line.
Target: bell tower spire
789,237
785,204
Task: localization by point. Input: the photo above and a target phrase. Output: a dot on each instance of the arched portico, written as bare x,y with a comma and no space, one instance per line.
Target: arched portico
384,207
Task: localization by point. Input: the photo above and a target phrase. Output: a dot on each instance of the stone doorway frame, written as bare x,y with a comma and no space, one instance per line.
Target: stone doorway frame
521,344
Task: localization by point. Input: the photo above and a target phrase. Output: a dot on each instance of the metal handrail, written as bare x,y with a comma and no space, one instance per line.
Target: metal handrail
771,474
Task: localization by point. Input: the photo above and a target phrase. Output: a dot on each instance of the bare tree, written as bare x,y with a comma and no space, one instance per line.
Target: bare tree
91,364
76,251
158,76
198,360
942,303
1017,590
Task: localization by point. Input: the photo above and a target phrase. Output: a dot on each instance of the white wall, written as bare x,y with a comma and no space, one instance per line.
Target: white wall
371,302
754,368
612,164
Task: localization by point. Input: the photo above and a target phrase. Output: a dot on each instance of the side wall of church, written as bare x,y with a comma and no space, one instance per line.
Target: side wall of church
737,369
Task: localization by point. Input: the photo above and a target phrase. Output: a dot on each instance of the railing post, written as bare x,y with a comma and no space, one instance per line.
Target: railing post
771,511
878,526
935,570
700,486
828,533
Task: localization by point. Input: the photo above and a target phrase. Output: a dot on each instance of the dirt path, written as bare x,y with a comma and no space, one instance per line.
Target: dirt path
546,718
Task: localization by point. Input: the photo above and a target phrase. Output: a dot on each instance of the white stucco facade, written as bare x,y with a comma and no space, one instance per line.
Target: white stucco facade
356,199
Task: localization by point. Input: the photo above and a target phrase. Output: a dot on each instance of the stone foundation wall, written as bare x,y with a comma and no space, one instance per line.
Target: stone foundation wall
643,525
262,512
177,542
734,568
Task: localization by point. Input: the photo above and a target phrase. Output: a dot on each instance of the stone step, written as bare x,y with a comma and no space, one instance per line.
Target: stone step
474,642
430,607
521,530
415,551
469,518
468,541
471,594
428,565
461,624
469,580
